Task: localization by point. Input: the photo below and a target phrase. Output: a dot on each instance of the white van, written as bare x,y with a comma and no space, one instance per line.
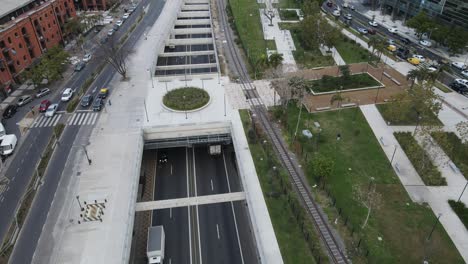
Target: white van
8,144
2,131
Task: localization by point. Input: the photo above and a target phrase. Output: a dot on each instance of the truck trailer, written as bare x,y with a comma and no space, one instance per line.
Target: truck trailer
155,245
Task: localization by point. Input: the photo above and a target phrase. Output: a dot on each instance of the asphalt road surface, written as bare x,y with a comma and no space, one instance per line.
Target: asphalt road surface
215,233
21,168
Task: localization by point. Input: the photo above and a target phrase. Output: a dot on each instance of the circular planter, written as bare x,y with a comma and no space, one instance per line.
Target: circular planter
186,99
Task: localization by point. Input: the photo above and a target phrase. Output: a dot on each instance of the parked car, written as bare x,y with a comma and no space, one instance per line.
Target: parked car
125,16
432,68
459,88
9,111
420,57
391,41
86,100
336,13
103,93
51,110
44,105
24,100
352,7
414,61
402,53
459,65
119,23
391,48
425,43
373,23
132,9
362,30
465,73
462,81
87,57
110,32
405,41
42,92
79,66
348,16
97,105
115,27
393,30
67,95
371,31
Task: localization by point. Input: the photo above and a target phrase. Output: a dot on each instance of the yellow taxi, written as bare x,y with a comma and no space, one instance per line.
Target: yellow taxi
414,61
391,48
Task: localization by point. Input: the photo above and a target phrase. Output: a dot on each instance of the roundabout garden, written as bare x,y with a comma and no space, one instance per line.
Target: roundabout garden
186,99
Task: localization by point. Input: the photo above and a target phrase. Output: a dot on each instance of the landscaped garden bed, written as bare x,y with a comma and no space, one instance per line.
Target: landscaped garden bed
455,149
286,14
421,161
331,84
408,118
460,209
186,99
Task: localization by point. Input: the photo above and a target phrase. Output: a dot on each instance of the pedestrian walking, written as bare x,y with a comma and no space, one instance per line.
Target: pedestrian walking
110,102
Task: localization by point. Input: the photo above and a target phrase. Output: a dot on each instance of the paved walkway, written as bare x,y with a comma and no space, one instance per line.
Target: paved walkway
190,201
435,196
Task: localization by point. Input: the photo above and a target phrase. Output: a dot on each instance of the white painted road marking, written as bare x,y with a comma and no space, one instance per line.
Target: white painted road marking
212,185
217,230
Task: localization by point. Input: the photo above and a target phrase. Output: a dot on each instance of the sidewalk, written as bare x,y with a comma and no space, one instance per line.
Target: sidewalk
435,196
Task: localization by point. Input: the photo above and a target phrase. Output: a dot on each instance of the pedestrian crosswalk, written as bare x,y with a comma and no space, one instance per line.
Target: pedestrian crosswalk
44,121
76,119
82,119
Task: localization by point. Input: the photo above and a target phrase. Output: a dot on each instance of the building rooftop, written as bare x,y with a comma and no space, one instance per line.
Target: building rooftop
8,6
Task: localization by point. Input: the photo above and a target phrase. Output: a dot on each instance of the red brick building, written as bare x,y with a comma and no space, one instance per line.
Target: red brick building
27,31
92,5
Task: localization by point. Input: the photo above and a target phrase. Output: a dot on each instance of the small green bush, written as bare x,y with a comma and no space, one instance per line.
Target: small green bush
72,105
460,209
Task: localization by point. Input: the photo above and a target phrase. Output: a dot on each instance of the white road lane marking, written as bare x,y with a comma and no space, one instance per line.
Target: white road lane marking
212,188
170,213
217,230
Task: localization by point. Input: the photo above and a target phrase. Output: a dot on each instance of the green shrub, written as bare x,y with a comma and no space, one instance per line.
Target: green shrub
72,105
460,209
188,98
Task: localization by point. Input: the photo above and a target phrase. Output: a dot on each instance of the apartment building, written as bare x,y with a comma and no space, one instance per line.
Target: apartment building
27,29
92,5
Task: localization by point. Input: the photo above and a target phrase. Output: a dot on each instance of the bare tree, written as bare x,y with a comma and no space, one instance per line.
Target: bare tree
270,15
115,55
369,198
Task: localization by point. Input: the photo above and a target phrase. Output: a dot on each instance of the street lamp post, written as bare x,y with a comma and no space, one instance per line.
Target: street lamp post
78,199
185,106
462,192
87,157
394,151
433,227
417,124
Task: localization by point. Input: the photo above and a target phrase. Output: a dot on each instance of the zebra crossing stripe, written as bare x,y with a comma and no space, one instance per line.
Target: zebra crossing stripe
95,115
83,116
86,119
70,121
42,121
77,120
39,120
56,121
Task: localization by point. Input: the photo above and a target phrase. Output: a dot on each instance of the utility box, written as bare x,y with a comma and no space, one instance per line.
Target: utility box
155,245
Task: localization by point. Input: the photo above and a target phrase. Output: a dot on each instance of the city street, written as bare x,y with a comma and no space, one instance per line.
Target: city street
23,164
214,233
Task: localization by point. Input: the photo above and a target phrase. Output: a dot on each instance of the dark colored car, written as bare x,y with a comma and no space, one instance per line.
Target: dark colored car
79,66
402,53
44,105
86,101
97,105
371,31
405,41
9,111
163,157
42,92
459,88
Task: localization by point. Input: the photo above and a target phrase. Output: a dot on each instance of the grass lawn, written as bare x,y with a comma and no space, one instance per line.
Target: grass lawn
359,163
293,246
454,148
460,209
409,119
288,4
422,163
308,58
351,52
288,14
271,44
187,98
246,15
442,87
330,83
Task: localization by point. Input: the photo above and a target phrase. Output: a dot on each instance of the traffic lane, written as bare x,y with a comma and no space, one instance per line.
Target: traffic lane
246,234
171,177
218,236
30,232
229,156
210,173
19,173
176,229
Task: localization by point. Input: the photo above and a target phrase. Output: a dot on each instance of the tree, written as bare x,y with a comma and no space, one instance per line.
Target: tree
462,129
419,74
50,66
337,97
73,27
270,15
322,167
330,35
421,23
275,60
345,72
116,56
260,64
456,40
297,86
369,198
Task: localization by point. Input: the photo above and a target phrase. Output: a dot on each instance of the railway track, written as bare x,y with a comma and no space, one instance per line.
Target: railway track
296,176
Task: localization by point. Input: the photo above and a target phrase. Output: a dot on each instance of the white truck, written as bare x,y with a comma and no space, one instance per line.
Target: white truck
8,144
155,245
